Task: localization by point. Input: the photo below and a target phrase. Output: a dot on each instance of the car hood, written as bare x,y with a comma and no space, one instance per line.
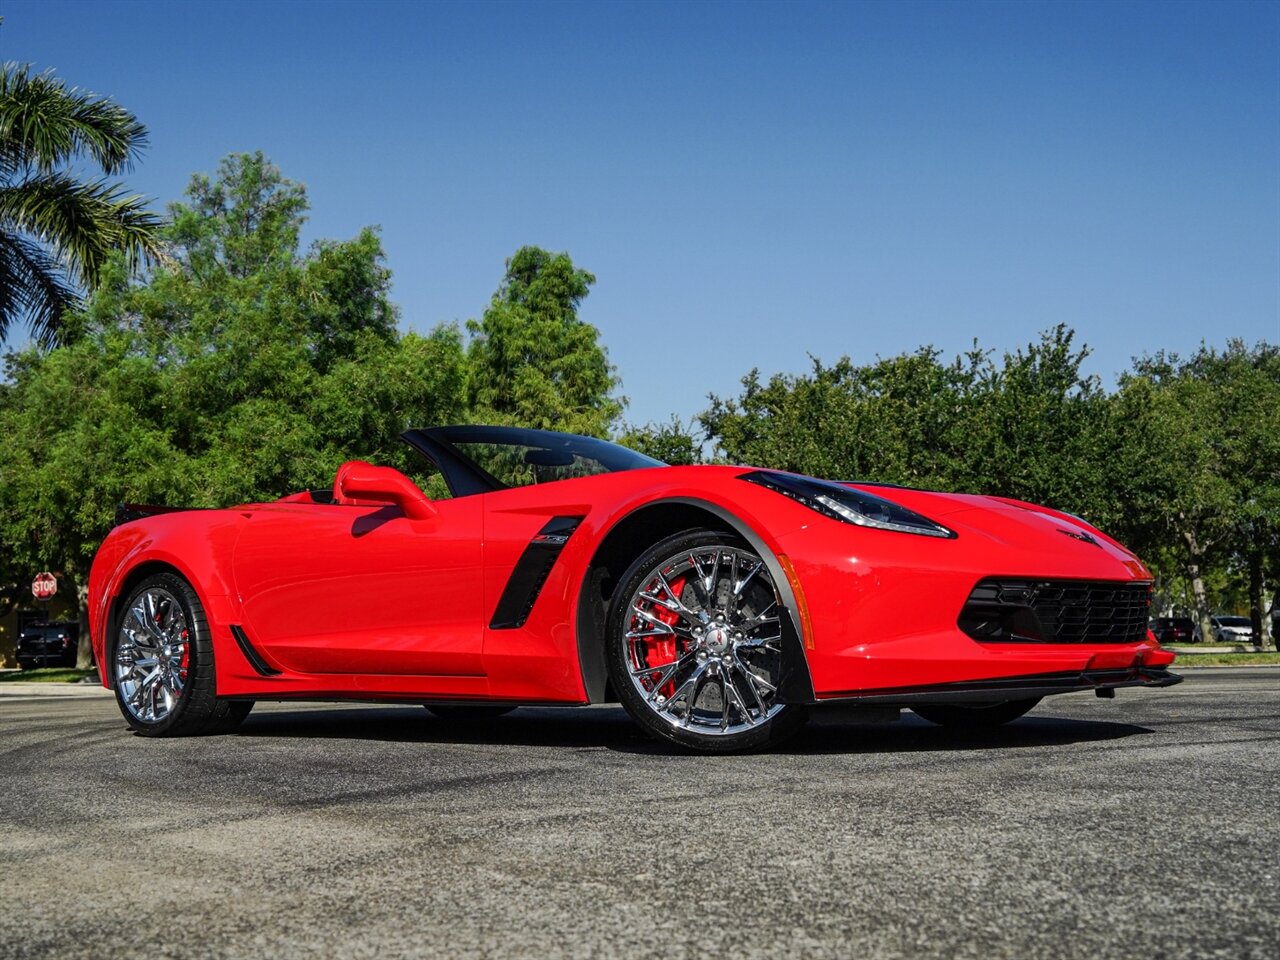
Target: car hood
1020,528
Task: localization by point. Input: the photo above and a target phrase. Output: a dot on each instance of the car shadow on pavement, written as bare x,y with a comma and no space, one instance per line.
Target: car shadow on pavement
550,727
911,734
610,728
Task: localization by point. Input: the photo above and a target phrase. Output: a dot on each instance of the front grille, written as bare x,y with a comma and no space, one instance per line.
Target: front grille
1057,611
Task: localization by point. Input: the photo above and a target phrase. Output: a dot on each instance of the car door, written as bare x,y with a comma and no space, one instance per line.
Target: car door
335,589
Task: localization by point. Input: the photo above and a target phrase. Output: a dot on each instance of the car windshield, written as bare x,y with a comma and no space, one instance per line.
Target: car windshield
1233,621
481,459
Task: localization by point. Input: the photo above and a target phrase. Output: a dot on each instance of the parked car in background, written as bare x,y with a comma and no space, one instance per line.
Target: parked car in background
51,644
1232,629
1175,630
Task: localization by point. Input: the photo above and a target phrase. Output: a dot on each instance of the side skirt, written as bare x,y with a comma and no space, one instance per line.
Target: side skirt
1011,688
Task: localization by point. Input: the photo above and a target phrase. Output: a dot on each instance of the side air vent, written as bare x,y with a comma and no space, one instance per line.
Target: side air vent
531,572
260,666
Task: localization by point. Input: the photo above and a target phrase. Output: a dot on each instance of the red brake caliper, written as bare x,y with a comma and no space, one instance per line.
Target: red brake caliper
665,649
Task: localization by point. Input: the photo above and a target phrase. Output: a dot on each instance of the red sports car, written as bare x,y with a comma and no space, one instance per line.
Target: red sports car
719,604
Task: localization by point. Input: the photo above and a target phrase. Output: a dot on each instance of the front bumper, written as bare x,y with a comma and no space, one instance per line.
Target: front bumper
882,618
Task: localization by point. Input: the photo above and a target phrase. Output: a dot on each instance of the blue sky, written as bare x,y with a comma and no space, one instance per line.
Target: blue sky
751,183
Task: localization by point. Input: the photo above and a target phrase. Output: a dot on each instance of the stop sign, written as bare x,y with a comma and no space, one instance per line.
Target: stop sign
44,586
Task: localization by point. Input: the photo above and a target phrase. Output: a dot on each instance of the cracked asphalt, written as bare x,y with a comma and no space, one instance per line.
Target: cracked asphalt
1145,826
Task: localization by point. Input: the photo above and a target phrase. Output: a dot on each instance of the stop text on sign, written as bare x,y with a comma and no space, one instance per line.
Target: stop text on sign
44,586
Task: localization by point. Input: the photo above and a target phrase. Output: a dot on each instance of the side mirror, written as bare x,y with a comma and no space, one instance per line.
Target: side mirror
363,481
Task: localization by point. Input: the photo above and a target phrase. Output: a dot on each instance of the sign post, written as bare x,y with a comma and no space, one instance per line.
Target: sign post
44,586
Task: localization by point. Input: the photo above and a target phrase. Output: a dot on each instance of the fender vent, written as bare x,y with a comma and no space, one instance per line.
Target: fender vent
531,572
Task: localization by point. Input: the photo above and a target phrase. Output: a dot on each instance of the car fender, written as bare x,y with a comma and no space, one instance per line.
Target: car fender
195,544
795,684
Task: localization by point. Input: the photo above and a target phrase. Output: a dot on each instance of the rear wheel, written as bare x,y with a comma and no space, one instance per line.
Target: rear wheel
695,645
162,663
973,716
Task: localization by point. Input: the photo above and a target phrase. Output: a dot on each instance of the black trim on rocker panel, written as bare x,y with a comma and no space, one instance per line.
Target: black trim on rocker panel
531,572
1013,688
260,666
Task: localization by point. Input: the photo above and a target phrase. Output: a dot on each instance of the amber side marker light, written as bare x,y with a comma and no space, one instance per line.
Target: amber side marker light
805,623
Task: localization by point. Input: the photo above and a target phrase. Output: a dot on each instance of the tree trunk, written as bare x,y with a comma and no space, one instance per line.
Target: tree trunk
1274,616
1197,586
1267,614
84,653
1256,606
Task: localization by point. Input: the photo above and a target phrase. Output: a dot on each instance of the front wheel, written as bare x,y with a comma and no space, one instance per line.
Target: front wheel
162,663
695,645
974,716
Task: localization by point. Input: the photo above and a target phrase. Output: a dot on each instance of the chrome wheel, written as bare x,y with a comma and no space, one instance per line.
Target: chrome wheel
703,641
152,656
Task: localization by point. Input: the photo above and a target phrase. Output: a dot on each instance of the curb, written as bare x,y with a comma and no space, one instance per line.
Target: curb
58,690
1219,648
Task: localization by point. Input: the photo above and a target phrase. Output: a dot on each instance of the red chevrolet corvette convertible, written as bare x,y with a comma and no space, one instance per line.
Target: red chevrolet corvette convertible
720,605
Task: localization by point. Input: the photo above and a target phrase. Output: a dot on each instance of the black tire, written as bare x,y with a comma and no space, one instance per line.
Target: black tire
467,712
974,716
26,664
195,708
229,720
744,672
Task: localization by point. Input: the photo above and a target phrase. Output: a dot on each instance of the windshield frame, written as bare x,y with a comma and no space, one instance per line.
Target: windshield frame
464,477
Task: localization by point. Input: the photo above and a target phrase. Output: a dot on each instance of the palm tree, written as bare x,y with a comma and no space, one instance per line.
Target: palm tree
59,231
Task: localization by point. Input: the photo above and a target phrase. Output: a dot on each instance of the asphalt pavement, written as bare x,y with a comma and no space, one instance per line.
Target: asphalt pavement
1145,826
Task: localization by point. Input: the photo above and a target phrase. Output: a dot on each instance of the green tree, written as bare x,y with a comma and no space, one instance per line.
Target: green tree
1196,451
241,369
1247,388
891,420
58,232
533,361
1034,428
672,442
1026,428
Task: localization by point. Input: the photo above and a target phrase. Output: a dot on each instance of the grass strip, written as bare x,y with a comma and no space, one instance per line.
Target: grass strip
44,675
1226,659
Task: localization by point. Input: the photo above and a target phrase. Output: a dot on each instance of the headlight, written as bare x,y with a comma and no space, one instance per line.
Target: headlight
848,505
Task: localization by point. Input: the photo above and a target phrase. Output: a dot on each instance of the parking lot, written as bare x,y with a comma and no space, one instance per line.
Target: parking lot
1145,826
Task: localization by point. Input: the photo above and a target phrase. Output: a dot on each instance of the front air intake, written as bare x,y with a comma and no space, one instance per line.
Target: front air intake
1057,611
